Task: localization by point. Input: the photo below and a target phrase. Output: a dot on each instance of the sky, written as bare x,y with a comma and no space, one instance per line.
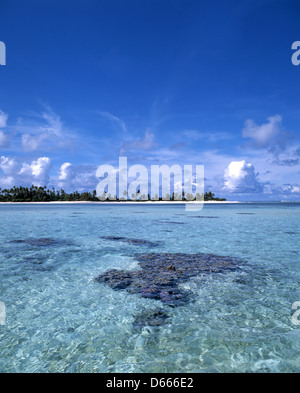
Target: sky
196,82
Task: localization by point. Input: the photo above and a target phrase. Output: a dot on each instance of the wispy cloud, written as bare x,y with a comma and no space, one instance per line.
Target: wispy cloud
145,143
115,121
3,119
44,131
4,138
129,140
211,137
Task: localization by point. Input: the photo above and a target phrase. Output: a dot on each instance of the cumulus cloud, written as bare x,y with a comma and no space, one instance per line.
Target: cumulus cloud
265,134
295,189
240,177
77,177
8,166
291,188
290,158
65,173
284,192
37,172
274,139
70,177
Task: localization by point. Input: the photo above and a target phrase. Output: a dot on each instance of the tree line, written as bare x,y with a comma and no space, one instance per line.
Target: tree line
43,194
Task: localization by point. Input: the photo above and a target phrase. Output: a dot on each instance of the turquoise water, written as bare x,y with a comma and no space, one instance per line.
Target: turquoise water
59,319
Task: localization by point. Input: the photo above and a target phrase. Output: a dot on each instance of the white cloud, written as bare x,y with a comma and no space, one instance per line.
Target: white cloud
265,134
4,139
32,143
212,137
114,120
290,188
3,119
8,166
274,139
77,177
41,166
70,177
145,143
295,189
241,177
284,192
128,141
7,182
37,172
47,132
65,172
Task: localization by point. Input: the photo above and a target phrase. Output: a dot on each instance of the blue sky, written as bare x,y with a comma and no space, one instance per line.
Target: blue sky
168,81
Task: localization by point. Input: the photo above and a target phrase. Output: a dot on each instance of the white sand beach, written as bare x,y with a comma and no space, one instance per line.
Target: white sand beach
124,202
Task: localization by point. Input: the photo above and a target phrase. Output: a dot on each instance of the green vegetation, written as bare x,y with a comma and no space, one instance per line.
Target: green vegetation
209,196
42,194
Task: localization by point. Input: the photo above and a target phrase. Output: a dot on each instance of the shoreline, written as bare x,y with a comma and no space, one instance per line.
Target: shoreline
122,203
143,202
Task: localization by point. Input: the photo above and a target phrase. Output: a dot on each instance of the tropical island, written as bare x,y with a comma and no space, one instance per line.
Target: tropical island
43,194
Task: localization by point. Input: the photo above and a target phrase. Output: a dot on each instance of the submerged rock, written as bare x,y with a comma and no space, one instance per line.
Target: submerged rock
155,318
161,274
116,279
35,242
135,242
169,222
205,216
42,242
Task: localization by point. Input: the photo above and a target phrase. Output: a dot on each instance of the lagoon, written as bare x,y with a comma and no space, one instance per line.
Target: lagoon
59,318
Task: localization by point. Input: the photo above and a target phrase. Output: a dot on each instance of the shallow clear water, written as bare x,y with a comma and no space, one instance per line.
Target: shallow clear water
59,319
